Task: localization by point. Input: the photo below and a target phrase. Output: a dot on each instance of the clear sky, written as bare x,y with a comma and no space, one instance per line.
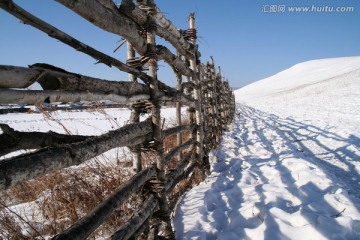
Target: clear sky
249,39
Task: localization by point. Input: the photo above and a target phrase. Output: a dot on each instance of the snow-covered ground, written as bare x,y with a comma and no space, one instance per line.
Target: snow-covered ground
288,167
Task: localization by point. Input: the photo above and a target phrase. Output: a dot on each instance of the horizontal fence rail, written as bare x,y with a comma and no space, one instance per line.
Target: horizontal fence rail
206,94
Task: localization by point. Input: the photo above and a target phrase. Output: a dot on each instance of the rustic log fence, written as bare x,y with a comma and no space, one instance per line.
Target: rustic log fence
206,93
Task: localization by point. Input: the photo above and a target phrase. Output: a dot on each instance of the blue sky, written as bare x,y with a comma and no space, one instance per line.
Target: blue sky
245,38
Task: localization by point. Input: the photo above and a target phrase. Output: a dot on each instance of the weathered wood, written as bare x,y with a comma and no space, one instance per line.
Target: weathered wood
180,168
157,136
12,140
54,78
88,224
197,97
128,8
31,165
123,26
166,24
189,86
165,54
95,12
135,114
9,96
138,218
178,97
178,149
184,175
17,77
177,129
27,18
143,229
110,5
178,107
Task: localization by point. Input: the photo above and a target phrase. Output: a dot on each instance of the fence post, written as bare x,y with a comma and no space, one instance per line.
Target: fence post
163,213
178,109
197,93
135,115
216,100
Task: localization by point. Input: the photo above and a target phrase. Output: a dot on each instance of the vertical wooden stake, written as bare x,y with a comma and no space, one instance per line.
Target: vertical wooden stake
178,109
197,95
178,116
163,213
135,116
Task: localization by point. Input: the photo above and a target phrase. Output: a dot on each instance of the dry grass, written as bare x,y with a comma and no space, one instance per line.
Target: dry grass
61,198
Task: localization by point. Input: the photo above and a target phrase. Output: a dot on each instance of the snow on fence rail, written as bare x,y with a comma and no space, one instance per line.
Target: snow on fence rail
206,94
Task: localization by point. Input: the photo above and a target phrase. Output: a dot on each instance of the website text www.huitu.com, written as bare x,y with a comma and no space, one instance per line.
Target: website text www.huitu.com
276,8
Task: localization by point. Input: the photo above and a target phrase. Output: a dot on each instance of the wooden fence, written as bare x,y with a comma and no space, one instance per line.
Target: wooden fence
208,97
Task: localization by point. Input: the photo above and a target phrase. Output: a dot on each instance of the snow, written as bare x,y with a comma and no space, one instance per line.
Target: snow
288,166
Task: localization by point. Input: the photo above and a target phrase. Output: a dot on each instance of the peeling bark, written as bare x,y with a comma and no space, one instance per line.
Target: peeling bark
54,79
174,37
9,96
31,165
95,12
17,77
12,140
53,32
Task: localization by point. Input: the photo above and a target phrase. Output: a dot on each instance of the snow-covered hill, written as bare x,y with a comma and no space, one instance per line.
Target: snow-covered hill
288,168
326,90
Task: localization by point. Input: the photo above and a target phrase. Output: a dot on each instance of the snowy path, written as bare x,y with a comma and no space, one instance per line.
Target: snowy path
276,178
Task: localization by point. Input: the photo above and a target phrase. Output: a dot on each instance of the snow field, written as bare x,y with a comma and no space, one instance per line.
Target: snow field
263,186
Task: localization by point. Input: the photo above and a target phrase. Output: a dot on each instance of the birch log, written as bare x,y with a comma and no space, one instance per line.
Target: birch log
9,96
12,140
135,116
27,18
98,14
157,135
58,79
165,31
95,12
180,168
31,165
197,97
17,77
